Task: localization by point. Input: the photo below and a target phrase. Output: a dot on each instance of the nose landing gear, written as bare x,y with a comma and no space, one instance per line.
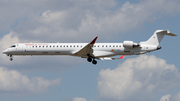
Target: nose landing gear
10,58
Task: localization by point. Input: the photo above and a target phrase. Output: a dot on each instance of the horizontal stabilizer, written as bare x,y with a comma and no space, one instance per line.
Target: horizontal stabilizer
171,34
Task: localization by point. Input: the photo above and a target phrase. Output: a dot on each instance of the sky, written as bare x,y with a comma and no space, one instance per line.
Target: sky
154,76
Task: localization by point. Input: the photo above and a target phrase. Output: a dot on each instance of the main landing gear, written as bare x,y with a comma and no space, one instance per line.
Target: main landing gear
89,59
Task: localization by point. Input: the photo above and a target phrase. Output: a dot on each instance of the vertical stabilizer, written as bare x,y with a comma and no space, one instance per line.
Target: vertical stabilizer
158,35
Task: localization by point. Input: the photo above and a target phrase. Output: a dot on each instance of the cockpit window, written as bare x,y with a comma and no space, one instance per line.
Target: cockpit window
13,46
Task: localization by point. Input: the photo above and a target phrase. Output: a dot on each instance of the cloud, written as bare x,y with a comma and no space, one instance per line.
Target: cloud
165,97
7,40
175,97
13,15
79,99
97,18
11,81
138,79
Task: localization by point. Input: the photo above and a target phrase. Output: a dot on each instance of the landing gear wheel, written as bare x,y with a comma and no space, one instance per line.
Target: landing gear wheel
94,62
11,59
89,59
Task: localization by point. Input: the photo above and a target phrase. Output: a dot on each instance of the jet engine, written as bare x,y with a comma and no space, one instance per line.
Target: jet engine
130,44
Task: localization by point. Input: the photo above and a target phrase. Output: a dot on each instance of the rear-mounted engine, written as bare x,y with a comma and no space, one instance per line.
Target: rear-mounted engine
130,44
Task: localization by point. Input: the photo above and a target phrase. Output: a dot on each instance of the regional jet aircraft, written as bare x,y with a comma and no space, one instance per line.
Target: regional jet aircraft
92,51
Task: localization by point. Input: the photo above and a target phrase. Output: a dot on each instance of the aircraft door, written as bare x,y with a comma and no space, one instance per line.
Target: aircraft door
20,47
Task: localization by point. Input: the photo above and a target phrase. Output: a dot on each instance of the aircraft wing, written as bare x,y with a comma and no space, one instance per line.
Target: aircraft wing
87,50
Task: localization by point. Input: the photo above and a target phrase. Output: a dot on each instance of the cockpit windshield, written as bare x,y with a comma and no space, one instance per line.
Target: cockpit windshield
13,46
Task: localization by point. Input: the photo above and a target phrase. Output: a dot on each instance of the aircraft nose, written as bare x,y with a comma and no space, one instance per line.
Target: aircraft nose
5,51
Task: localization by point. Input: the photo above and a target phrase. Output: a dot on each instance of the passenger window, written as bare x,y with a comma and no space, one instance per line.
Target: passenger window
116,45
36,46
50,46
57,46
106,46
70,46
43,46
33,46
109,45
39,46
113,46
64,45
67,45
74,46
98,45
119,45
46,46
102,45
77,46
60,46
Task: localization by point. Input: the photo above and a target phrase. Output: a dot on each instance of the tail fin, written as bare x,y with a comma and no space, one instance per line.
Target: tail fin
158,35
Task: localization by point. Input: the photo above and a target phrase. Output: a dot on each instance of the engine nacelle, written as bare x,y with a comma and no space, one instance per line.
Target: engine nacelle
130,44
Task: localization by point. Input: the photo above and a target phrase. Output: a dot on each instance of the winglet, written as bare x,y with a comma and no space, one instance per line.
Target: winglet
122,57
94,40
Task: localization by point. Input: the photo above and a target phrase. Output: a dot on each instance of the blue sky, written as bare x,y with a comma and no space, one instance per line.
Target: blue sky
151,77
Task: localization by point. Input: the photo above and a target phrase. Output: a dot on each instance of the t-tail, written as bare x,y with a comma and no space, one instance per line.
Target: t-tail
156,38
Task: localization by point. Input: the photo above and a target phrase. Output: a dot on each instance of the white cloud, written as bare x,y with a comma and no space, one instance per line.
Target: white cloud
87,19
137,78
9,39
11,81
175,97
165,97
79,99
13,15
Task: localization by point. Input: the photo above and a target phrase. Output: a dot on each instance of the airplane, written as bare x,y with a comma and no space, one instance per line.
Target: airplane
92,51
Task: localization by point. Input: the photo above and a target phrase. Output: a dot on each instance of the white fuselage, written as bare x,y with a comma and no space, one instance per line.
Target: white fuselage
99,49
